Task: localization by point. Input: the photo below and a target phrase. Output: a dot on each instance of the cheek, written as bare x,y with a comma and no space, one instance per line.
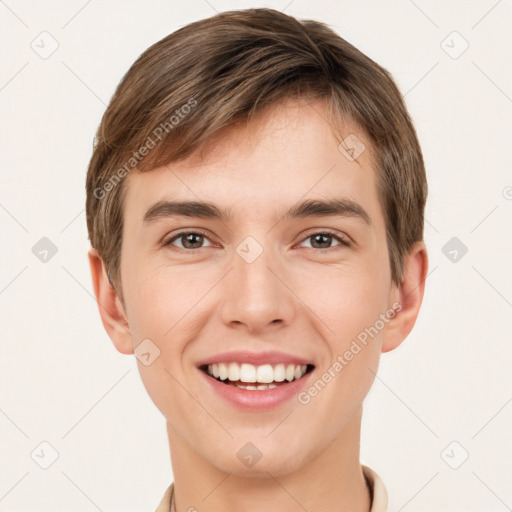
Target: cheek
156,300
159,313
166,310
349,301
346,298
352,310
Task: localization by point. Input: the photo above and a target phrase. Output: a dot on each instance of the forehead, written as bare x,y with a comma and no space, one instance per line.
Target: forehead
288,152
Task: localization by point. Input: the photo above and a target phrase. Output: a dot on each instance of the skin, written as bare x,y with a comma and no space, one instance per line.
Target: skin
299,297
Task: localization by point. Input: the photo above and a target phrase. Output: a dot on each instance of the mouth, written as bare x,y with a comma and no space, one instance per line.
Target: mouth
256,378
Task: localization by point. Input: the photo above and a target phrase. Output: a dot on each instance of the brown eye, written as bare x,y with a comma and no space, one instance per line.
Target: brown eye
190,240
324,240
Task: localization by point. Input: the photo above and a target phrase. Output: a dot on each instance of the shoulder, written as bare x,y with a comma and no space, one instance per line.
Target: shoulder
377,489
165,502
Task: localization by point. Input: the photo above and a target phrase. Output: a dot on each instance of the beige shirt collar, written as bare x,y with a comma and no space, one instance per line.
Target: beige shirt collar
376,485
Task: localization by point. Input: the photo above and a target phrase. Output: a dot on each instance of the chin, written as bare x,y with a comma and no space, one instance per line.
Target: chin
271,460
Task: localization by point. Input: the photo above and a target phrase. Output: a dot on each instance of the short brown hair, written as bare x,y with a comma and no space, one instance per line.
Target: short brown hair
221,70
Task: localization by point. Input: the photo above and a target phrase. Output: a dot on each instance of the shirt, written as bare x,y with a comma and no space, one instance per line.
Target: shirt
378,493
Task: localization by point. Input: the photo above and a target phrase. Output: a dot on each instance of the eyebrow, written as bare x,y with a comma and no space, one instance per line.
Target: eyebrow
339,207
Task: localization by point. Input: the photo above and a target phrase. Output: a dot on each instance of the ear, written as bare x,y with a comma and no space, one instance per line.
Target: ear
111,309
408,297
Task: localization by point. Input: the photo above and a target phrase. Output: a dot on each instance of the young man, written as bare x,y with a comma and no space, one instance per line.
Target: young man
255,208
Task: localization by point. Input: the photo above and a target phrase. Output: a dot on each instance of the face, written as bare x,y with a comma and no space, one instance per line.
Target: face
253,281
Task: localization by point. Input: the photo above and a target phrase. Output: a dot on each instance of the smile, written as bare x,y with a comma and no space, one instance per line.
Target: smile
251,377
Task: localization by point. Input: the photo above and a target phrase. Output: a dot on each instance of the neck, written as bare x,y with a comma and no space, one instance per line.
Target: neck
332,480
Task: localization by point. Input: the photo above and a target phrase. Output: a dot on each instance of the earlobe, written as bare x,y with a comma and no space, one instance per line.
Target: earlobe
409,296
113,315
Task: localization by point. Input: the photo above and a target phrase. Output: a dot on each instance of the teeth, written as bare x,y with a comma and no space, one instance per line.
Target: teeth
233,372
223,371
247,373
279,373
264,374
260,386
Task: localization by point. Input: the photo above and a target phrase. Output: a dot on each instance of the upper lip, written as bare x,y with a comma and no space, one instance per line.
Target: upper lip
254,358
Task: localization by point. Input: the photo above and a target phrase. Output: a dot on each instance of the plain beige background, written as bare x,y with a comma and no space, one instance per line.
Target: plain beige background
445,393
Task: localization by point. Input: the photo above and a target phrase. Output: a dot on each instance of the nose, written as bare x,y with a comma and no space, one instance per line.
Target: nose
255,295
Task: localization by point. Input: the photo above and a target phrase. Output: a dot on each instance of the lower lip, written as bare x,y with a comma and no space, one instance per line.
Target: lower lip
257,400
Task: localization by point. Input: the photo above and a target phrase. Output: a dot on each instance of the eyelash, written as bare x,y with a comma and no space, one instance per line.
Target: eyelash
342,241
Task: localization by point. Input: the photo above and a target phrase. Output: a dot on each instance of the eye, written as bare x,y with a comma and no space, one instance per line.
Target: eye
190,240
324,238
